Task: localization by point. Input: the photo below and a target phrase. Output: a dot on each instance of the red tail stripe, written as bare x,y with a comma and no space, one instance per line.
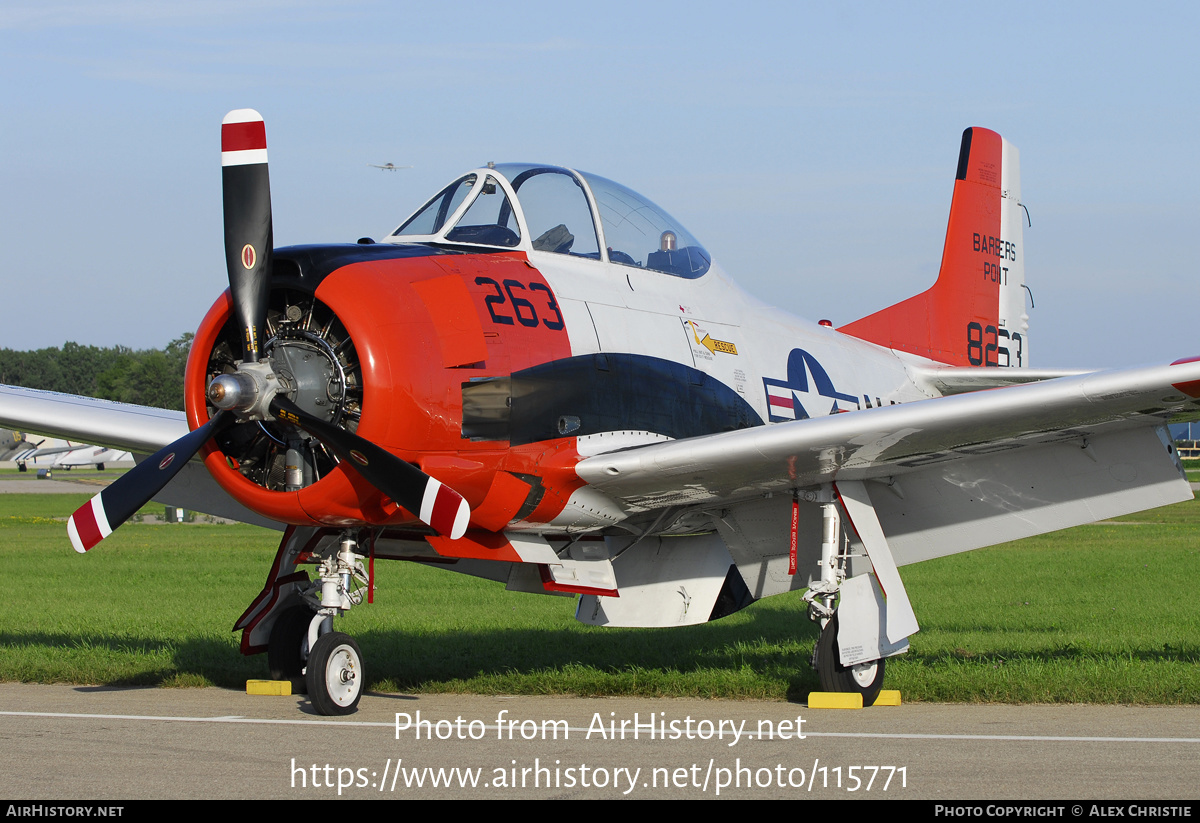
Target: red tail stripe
243,136
935,323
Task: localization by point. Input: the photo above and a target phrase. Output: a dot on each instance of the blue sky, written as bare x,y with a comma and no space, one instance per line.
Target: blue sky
811,148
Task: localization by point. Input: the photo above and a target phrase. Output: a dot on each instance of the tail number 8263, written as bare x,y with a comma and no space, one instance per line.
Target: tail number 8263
984,346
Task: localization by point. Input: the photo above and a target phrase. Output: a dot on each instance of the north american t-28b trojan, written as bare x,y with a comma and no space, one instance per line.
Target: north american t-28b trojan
542,379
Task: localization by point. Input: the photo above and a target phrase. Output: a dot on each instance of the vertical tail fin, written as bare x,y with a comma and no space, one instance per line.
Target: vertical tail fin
974,315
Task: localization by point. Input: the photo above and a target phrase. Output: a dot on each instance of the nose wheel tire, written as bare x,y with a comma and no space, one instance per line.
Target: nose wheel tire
287,648
864,678
335,674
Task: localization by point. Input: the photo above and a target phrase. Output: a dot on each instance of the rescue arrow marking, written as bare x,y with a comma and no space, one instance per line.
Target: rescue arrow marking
713,346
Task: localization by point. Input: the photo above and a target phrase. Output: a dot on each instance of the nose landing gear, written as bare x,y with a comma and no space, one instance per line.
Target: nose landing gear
303,647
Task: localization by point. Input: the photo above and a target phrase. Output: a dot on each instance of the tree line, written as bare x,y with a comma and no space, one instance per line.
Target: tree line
147,377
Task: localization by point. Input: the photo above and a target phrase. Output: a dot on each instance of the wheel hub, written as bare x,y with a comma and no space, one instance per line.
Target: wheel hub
341,677
864,673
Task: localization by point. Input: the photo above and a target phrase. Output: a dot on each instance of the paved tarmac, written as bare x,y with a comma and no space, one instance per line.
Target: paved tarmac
61,742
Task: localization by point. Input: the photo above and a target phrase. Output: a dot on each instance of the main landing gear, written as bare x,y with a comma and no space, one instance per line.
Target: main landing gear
866,677
303,647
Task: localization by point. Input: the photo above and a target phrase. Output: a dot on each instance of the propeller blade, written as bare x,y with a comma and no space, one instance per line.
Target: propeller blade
436,504
247,196
100,516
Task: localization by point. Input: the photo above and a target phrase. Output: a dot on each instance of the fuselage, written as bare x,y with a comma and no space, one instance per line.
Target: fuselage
496,363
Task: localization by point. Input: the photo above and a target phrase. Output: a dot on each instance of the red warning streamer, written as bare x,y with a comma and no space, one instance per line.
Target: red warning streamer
795,530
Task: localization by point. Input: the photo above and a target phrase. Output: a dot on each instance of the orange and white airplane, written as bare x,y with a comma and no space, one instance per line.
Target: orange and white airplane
543,379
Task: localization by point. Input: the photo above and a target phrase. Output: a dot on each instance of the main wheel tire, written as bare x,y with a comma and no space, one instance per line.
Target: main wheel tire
864,678
335,674
288,645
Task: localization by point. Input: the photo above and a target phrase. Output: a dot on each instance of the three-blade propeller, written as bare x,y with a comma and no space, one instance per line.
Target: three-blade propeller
249,393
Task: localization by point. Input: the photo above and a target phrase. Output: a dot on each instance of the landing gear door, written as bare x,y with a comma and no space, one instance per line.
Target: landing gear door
862,623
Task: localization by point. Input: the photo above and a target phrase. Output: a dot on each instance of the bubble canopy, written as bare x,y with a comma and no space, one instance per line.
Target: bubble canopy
559,211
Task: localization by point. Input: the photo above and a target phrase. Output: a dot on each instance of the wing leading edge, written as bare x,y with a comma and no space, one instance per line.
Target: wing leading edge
139,429
103,422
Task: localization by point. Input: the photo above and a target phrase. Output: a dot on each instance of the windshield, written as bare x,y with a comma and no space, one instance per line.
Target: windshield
433,215
488,220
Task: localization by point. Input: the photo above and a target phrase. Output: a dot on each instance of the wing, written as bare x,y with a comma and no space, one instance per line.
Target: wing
86,419
139,429
951,473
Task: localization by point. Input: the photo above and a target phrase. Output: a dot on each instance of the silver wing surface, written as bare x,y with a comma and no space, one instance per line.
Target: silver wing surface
947,474
141,430
103,422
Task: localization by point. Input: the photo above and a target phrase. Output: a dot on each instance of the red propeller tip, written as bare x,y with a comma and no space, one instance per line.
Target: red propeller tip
444,509
243,138
88,525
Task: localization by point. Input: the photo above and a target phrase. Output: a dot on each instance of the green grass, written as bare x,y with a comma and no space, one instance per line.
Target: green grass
1103,613
1100,613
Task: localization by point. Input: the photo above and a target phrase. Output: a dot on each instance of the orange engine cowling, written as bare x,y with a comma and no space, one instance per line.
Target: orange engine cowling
360,338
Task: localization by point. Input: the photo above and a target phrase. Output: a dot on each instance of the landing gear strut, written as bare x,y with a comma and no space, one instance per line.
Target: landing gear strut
865,678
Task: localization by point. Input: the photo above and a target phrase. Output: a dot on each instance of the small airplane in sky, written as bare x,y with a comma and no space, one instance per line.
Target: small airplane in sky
542,379
388,166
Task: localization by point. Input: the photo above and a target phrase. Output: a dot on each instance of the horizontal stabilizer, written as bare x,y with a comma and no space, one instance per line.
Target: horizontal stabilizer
956,380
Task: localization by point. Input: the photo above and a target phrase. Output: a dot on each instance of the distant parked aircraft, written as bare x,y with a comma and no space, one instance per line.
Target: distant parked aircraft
62,453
